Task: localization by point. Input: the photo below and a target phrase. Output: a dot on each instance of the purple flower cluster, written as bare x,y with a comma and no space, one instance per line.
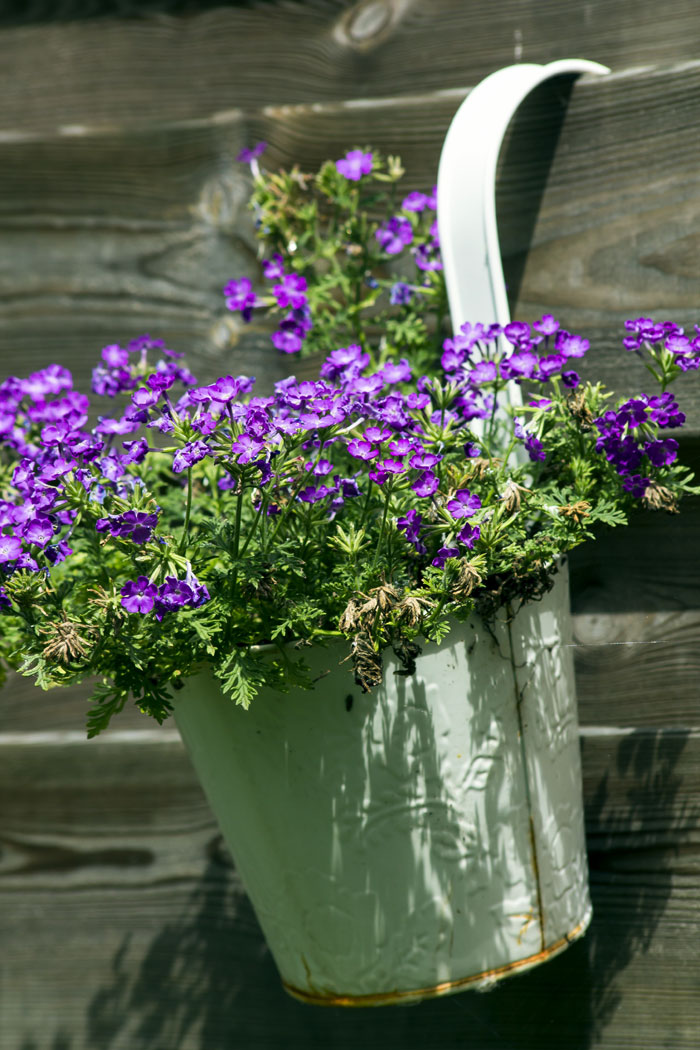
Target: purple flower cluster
142,596
530,356
647,333
289,292
133,525
354,165
626,442
44,425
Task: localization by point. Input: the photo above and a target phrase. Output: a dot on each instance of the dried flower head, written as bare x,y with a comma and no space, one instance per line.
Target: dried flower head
366,662
578,511
511,495
658,497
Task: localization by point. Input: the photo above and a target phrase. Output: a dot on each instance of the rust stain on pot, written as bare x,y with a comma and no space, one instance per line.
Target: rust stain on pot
485,978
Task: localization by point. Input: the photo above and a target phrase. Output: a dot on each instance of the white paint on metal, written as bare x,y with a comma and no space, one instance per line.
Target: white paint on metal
428,836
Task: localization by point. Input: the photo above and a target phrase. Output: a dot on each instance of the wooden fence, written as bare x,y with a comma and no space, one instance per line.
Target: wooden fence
123,925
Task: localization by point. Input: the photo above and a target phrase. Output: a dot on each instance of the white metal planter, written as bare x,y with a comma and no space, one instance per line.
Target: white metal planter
417,840
427,837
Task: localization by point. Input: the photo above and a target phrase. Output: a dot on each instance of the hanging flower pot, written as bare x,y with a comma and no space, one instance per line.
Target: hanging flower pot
420,840
403,831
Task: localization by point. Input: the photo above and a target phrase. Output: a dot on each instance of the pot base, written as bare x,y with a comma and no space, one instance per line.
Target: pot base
479,981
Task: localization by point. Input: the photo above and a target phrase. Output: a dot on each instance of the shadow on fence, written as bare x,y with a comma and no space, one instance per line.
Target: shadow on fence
207,981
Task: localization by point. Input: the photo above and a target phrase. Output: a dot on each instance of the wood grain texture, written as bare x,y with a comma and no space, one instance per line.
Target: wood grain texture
102,71
110,234
109,851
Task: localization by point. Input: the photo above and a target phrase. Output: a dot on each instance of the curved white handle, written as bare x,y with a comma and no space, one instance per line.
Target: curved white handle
466,197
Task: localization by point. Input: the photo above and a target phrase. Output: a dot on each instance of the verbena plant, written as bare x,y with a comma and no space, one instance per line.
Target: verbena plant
397,490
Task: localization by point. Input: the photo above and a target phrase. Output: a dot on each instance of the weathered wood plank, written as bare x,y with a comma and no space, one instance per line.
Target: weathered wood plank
102,71
113,856
114,233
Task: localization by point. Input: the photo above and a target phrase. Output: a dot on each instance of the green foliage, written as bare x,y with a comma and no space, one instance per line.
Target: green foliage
256,559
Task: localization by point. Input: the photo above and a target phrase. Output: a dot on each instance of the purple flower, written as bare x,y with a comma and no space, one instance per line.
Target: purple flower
346,363
483,372
377,434
443,554
426,484
360,449
636,485
291,291
273,268
549,366
115,356
394,235
133,525
464,504
571,345
58,552
247,447
400,373
38,531
144,397
139,596
662,453
288,340
400,294
313,493
534,446
427,256
354,165
225,389
239,295
136,451
410,526
391,466
520,365
189,454
517,332
174,593
10,548
415,201
546,325
469,535
249,154
424,460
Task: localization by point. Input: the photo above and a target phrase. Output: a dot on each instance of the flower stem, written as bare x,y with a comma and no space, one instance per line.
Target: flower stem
383,525
188,511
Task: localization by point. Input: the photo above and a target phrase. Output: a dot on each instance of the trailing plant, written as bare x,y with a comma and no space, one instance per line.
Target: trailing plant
202,525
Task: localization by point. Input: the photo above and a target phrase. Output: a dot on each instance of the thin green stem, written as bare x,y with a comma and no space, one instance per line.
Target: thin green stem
188,511
237,525
383,525
261,514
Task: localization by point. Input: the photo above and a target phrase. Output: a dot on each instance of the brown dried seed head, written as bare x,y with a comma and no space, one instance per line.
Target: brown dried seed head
577,511
65,642
478,467
512,495
468,577
411,610
576,403
369,608
658,497
350,618
366,662
387,597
